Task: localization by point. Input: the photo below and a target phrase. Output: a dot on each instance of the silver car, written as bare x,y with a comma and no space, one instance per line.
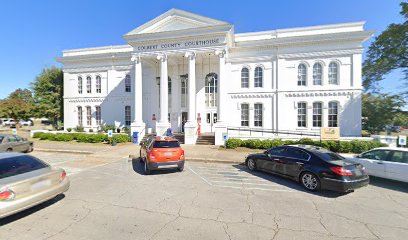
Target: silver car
26,181
14,143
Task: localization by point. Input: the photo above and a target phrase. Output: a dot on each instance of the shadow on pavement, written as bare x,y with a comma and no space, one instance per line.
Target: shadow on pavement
389,184
138,167
287,182
30,211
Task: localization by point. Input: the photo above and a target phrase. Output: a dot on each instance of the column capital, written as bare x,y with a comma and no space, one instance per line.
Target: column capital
220,53
162,57
135,58
190,55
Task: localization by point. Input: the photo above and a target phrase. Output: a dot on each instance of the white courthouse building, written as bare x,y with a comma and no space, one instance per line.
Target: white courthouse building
186,71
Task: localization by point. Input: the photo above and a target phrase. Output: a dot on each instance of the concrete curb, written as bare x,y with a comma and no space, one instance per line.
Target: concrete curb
62,151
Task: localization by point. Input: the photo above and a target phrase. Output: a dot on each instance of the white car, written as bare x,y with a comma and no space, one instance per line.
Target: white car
9,122
386,162
26,123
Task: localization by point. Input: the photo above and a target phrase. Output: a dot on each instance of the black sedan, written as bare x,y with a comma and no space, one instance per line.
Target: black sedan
313,167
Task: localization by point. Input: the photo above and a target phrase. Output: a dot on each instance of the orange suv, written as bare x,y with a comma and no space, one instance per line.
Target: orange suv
161,153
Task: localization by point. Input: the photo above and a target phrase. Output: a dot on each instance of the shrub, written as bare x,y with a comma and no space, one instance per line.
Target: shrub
108,127
234,143
69,129
91,130
121,138
346,147
79,129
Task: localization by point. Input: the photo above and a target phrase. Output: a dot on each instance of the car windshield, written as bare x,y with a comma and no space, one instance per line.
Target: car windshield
329,156
164,144
12,166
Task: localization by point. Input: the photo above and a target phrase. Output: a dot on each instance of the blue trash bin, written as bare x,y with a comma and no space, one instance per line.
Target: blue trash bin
135,137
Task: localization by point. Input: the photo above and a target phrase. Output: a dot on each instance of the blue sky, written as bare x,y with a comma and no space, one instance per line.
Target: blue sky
34,33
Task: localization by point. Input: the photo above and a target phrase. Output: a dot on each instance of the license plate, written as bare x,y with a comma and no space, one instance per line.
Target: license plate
40,185
168,154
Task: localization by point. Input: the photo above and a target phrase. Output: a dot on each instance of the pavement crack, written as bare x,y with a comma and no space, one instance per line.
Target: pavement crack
164,226
225,226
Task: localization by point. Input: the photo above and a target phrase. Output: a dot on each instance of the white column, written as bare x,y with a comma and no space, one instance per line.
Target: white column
138,125
190,128
221,126
163,124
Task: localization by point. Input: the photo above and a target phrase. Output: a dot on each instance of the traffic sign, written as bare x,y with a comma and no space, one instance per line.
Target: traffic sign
110,133
14,131
402,140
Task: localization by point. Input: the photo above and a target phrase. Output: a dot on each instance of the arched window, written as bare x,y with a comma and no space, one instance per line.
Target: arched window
258,80
88,84
317,74
302,75
333,114
80,85
258,114
302,114
317,114
244,78
245,115
333,73
184,91
211,89
98,84
128,84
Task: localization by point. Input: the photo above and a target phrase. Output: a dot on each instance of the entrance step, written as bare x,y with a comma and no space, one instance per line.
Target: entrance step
179,137
206,139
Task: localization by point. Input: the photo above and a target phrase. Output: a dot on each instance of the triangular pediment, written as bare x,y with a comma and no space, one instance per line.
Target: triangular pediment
174,20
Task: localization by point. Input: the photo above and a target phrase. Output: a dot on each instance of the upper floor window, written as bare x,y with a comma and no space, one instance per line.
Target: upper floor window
258,80
98,115
333,114
128,116
80,85
245,115
317,74
88,84
98,84
333,73
317,114
302,75
127,83
244,78
302,114
258,114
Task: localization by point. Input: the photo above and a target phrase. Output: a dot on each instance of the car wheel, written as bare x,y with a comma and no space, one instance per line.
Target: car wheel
30,149
180,169
310,181
146,168
251,164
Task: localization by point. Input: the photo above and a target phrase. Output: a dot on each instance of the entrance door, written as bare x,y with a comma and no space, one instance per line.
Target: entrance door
211,120
183,120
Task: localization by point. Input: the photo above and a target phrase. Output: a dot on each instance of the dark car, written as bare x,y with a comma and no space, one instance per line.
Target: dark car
313,167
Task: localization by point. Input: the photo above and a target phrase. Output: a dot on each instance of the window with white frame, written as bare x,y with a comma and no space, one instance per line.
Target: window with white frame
245,114
333,73
302,75
98,84
317,74
333,114
317,114
302,114
258,114
184,91
211,89
79,110
98,115
88,116
244,78
258,80
80,85
128,84
88,84
128,116
169,91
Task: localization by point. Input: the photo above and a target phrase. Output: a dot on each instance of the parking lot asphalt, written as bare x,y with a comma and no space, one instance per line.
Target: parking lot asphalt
111,198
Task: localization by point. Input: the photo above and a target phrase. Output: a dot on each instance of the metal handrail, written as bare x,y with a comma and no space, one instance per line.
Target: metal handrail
262,130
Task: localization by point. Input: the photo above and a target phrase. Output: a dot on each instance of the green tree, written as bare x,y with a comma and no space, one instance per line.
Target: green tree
380,110
18,105
48,94
401,119
388,52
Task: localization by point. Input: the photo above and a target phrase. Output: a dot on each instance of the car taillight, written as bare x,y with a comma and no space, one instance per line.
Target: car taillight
151,155
182,155
341,171
6,194
63,175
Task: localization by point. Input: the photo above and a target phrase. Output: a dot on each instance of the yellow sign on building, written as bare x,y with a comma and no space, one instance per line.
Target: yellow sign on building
330,133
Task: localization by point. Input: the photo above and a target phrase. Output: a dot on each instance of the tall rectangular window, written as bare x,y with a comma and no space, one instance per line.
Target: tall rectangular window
258,79
258,114
302,116
79,116
88,116
127,83
333,114
183,92
88,84
128,116
98,115
317,114
245,114
98,84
